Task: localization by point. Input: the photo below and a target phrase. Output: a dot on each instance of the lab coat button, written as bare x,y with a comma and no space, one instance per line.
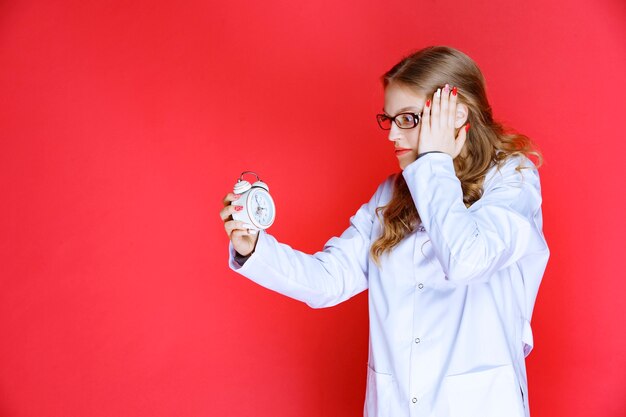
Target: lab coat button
417,340
414,400
420,286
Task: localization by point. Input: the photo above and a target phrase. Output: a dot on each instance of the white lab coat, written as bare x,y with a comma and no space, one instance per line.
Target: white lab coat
449,307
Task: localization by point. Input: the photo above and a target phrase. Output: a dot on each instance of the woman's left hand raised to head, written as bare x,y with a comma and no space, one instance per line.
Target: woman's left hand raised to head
437,124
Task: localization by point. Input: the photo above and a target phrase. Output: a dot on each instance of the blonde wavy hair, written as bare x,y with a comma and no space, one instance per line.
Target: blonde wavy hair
488,142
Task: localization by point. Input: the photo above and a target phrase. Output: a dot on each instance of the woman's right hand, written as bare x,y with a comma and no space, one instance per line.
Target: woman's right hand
243,239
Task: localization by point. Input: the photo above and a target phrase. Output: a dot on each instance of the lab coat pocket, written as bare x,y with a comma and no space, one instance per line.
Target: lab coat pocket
489,393
378,394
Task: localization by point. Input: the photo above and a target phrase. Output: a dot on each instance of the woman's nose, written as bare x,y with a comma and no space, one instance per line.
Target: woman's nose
394,133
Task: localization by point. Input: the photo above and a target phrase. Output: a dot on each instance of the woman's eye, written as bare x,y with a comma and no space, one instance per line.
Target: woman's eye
406,119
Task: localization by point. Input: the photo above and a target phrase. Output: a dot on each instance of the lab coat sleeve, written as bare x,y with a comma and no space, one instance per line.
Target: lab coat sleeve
502,227
323,279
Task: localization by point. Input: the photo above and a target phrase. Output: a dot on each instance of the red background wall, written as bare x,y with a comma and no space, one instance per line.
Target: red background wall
123,124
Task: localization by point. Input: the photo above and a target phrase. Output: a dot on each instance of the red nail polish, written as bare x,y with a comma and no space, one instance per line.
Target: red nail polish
428,103
454,90
238,208
467,127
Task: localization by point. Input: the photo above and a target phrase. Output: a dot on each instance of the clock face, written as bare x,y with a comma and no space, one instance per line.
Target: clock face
261,208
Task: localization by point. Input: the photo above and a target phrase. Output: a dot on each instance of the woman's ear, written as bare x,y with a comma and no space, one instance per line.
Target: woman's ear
461,115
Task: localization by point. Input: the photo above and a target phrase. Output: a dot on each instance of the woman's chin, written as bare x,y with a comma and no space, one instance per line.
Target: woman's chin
404,164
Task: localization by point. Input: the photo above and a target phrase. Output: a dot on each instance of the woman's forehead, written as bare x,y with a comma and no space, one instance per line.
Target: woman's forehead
400,98
398,92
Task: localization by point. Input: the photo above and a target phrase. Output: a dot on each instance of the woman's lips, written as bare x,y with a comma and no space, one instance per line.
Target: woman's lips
401,151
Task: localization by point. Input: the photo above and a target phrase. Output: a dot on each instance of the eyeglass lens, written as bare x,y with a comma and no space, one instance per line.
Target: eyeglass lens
403,120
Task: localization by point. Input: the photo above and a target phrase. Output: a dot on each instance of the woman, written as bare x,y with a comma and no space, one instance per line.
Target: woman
451,250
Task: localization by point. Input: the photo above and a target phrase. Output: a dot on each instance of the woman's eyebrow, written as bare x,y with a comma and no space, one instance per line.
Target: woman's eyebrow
412,108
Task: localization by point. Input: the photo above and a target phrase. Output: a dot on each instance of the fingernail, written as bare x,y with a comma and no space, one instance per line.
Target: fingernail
252,231
446,88
467,127
238,208
454,90
428,103
237,196
438,92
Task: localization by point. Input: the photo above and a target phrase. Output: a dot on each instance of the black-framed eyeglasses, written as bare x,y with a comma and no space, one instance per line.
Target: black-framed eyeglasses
402,120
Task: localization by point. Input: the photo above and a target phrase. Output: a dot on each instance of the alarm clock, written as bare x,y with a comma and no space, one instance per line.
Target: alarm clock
258,210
